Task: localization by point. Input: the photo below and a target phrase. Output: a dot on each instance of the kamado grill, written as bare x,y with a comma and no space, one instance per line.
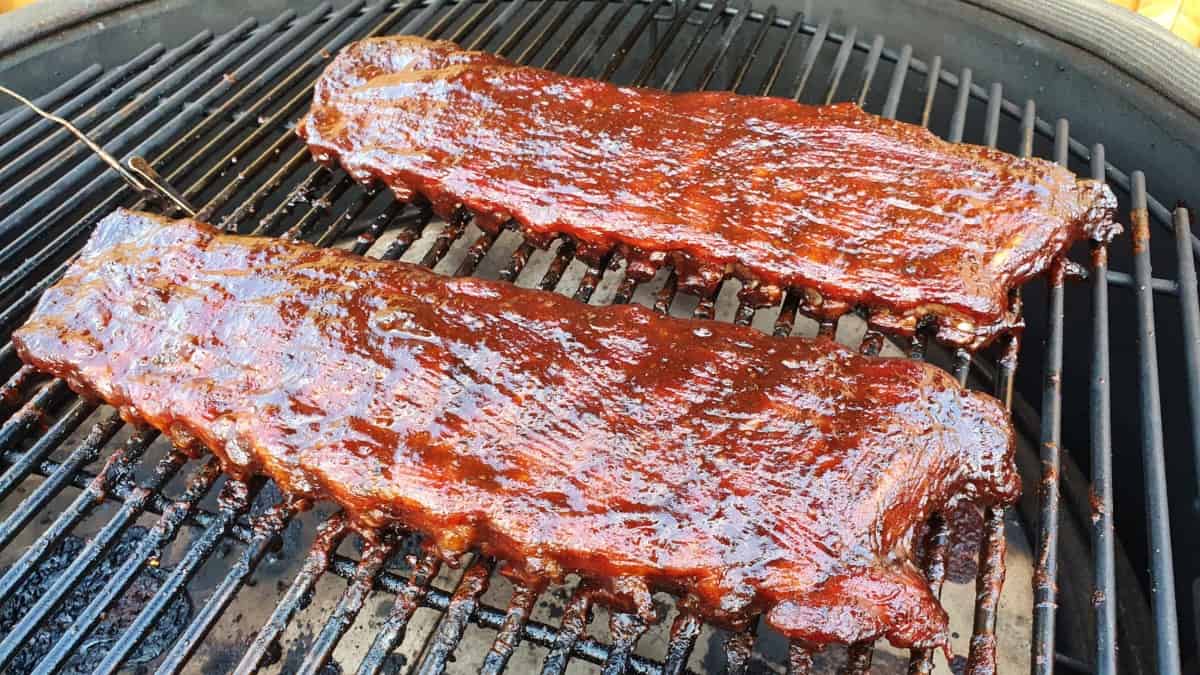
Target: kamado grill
117,552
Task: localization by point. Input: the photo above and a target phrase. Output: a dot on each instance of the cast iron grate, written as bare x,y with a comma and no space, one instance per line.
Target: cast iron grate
214,114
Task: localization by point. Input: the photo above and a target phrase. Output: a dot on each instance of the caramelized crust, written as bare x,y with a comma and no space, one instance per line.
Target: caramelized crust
857,210
744,471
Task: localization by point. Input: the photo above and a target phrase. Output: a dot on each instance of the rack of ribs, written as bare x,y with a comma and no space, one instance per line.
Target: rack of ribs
851,210
747,473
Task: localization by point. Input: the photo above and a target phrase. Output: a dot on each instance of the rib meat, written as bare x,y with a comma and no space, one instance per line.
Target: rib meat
852,209
744,471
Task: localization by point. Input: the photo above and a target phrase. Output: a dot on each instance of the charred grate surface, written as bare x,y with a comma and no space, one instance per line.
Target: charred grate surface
85,496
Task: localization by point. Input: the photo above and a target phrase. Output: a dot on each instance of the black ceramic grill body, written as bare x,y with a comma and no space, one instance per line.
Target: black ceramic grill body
1105,386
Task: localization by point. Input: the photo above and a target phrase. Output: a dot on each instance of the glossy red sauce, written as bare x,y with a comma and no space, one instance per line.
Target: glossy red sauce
744,471
855,209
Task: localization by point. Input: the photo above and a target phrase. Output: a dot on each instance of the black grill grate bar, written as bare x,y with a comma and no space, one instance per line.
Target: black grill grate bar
1189,307
1045,584
625,629
234,498
266,648
408,598
45,130
117,468
463,605
896,85
1104,579
685,630
20,212
12,478
1162,573
577,614
810,59
869,68
349,605
839,65
756,44
159,536
20,117
731,30
65,582
710,21
509,635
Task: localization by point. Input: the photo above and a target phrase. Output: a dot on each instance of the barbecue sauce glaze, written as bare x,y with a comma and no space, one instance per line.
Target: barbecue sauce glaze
854,209
743,471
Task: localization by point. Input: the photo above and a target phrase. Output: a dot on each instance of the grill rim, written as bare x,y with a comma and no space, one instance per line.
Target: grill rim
856,45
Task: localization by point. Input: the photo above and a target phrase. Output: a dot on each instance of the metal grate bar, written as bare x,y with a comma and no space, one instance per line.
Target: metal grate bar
731,30
159,536
992,124
668,36
896,85
509,635
408,598
738,649
374,558
755,45
46,129
265,647
1162,572
784,50
810,59
684,632
1045,583
630,40
931,84
959,119
626,629
576,616
64,583
937,543
1189,307
869,69
1105,583
839,65
20,117
710,21
463,605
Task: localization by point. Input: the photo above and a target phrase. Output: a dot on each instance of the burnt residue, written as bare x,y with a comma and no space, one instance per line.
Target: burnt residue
965,521
118,617
982,657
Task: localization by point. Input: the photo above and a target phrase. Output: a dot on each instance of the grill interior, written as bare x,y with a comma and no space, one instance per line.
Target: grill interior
118,551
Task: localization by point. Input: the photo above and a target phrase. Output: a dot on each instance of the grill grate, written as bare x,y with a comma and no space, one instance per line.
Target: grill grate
214,114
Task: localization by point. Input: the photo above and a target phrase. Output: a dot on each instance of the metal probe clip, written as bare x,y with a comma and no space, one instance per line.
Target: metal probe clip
139,174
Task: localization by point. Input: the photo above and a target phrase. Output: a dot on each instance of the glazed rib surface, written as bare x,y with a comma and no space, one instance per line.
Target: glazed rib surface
744,471
855,209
